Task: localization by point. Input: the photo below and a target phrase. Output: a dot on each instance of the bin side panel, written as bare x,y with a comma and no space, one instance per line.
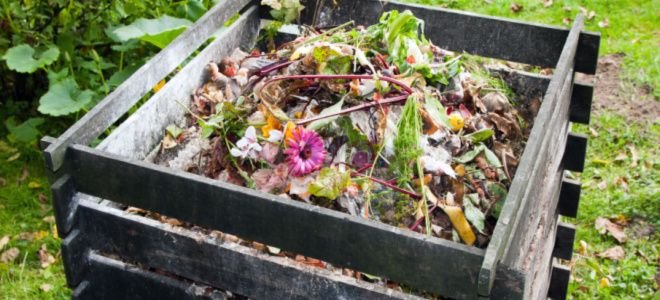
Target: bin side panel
144,129
202,258
463,31
431,264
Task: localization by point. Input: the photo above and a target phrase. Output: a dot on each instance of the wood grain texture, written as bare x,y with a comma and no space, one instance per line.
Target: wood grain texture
518,202
569,198
111,279
144,129
110,109
564,241
203,259
463,31
428,263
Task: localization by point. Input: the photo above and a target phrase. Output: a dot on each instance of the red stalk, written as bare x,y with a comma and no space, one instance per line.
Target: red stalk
274,66
420,220
386,101
389,185
345,76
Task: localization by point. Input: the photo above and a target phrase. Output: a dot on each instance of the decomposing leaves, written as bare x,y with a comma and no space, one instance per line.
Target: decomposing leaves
604,225
10,255
45,258
4,241
515,7
614,253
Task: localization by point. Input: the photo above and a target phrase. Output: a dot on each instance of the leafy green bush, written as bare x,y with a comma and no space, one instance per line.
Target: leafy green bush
62,57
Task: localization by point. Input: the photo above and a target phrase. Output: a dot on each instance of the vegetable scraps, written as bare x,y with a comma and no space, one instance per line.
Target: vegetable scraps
374,121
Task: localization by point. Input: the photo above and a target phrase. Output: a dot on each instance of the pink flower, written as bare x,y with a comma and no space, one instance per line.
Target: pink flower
306,151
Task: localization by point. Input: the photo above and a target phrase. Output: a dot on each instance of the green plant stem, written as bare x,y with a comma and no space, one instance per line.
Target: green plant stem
425,208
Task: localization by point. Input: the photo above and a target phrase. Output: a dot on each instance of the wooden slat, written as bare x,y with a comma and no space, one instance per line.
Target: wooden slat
128,93
427,263
74,257
576,152
532,85
517,201
111,279
64,204
564,241
203,259
463,31
559,283
143,130
569,198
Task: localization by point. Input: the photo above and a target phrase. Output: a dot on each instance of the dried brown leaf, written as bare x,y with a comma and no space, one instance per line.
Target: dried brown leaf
604,225
584,248
634,155
10,255
602,185
593,132
515,7
567,21
4,241
45,257
621,157
24,175
46,287
3,181
604,23
614,253
43,198
622,182
547,3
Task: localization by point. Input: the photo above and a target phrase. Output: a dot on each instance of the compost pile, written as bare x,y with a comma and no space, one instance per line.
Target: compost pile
377,122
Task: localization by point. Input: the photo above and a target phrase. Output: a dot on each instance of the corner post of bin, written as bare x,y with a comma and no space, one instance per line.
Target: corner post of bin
117,103
565,67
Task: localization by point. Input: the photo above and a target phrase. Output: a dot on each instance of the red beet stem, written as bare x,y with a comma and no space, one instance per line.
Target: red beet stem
391,80
420,220
384,102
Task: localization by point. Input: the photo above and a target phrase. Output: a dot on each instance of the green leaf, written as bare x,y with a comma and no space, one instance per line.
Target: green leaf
159,32
436,110
174,130
356,138
64,98
492,158
480,136
26,132
470,155
473,214
330,183
24,59
329,110
57,76
193,10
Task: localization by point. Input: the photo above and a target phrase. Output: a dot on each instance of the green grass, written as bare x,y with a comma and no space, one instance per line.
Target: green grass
633,27
21,212
632,276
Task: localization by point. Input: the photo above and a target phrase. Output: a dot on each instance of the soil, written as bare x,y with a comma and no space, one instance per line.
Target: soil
611,93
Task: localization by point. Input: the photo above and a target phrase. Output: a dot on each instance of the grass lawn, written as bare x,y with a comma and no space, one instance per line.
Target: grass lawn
616,182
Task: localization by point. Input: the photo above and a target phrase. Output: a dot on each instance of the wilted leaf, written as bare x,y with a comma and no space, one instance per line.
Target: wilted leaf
515,7
23,59
34,185
481,135
267,180
602,185
614,253
159,32
174,130
634,155
460,224
604,282
604,23
584,248
64,98
473,213
325,121
330,183
492,158
4,241
45,257
437,111
547,3
604,225
46,287
10,255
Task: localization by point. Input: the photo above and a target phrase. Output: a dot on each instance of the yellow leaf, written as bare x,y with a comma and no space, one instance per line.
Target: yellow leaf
34,185
159,86
271,124
461,224
604,282
584,247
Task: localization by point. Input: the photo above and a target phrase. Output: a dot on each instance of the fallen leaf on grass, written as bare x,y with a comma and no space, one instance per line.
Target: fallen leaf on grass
10,255
4,241
35,235
24,175
593,132
621,157
14,157
604,23
567,21
602,185
623,182
34,185
634,156
604,282
604,225
45,257
584,247
547,3
3,181
43,198
46,287
614,253
515,7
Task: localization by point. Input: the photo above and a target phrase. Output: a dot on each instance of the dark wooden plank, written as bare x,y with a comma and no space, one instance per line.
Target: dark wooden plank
428,263
564,241
104,114
576,152
516,206
463,31
532,85
143,130
111,279
559,283
569,198
581,103
203,259
74,257
64,204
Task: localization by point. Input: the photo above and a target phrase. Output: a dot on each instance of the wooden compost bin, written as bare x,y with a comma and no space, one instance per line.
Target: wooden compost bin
111,254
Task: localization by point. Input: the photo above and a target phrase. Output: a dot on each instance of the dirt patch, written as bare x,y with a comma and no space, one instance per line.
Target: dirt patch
635,103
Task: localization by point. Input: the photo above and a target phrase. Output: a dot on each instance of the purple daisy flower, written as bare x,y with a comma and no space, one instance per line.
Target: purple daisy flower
305,152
